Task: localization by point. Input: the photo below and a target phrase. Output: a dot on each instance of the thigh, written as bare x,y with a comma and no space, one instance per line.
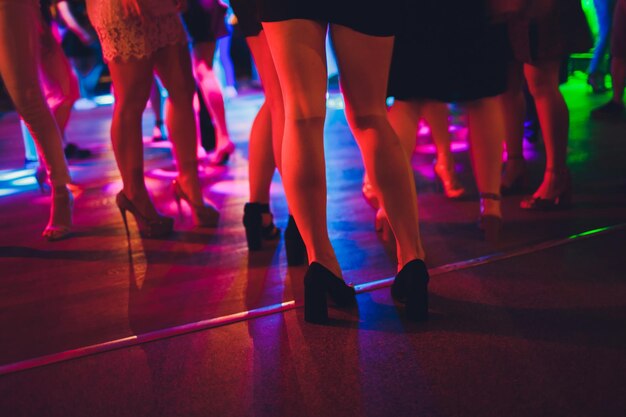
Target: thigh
203,52
265,65
19,48
132,82
173,65
299,55
542,75
363,62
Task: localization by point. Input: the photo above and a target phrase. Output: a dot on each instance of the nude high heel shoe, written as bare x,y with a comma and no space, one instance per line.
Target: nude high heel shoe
60,223
202,215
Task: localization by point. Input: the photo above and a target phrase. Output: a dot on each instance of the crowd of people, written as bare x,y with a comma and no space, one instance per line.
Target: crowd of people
426,54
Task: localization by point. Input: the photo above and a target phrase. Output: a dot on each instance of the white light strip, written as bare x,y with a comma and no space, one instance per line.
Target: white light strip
279,308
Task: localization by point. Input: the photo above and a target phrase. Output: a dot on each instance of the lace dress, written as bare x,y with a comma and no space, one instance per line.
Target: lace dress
125,37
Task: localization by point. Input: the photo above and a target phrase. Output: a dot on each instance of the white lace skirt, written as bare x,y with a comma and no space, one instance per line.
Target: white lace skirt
124,38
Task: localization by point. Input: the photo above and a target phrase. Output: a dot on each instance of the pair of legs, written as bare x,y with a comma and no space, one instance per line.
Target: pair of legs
486,127
19,51
132,82
298,50
404,117
543,82
203,53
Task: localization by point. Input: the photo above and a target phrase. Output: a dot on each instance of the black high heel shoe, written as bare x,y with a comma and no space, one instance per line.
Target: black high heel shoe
520,182
410,287
256,233
294,245
561,201
160,226
319,283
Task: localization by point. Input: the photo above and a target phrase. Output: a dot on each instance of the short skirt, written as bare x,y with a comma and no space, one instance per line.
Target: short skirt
562,32
131,37
449,52
370,17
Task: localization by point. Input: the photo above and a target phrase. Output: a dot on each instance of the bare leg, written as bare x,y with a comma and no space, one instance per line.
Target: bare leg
486,126
19,45
268,125
618,75
132,81
211,94
363,62
515,104
404,117
156,102
297,48
543,82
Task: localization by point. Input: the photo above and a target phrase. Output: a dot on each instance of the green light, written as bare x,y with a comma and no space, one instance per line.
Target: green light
589,232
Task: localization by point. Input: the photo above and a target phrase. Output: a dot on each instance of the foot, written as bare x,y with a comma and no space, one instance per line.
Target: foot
60,223
554,184
444,168
221,155
369,193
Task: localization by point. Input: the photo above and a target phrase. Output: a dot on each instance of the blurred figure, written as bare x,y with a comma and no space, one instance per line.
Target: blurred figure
540,41
20,26
598,65
614,109
205,22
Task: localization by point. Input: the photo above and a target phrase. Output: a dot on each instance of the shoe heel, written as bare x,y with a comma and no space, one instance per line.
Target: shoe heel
417,300
294,245
123,213
315,304
253,223
177,199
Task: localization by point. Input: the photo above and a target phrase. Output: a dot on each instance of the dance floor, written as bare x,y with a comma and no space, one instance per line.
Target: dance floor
102,325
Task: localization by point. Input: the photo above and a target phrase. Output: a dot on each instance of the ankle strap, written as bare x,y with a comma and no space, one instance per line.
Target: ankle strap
490,196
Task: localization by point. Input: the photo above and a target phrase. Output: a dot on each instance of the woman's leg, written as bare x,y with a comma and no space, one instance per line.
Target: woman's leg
363,62
173,66
543,83
486,127
267,130
132,81
19,45
156,103
404,117
297,48
515,105
203,54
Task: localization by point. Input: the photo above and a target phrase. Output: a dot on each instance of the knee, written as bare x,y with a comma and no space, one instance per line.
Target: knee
366,121
29,103
541,87
182,92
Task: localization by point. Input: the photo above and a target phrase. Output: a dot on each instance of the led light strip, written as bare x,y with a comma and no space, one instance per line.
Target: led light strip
279,308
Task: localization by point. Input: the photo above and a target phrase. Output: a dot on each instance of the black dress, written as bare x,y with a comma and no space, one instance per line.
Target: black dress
449,51
371,17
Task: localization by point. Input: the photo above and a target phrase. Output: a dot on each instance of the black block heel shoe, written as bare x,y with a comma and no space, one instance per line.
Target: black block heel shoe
319,283
256,233
410,287
294,245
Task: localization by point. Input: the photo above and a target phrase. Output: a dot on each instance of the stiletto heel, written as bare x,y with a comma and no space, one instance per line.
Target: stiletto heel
490,223
315,306
319,283
410,287
160,226
451,186
256,233
221,156
202,215
294,245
